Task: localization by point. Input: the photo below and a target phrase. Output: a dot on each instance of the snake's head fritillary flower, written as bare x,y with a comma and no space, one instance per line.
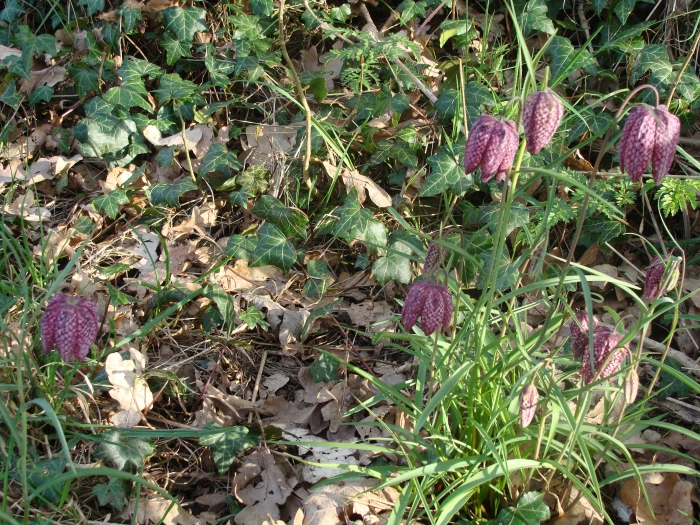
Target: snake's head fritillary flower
542,115
70,325
529,398
662,275
579,329
434,258
491,145
606,355
649,135
431,302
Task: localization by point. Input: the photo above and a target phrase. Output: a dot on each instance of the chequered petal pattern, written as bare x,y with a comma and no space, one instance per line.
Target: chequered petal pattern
431,302
434,258
604,345
529,398
650,135
655,274
69,324
579,329
491,145
542,115
667,135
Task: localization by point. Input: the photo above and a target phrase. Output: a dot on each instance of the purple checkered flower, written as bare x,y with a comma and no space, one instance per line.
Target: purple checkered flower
529,398
434,258
542,115
431,302
579,329
70,325
649,135
605,343
491,145
662,274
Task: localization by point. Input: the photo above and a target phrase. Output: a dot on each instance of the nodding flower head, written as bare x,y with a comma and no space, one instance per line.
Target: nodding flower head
605,343
579,329
70,325
649,135
491,145
662,274
431,302
542,115
529,398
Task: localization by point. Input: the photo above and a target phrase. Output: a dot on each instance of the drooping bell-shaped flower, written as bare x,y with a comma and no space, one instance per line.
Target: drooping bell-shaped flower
491,145
529,398
662,275
579,329
434,257
431,302
649,135
605,343
542,115
631,386
70,325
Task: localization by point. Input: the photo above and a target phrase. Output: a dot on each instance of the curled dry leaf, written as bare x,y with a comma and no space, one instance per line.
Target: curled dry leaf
23,206
130,390
669,496
354,179
153,135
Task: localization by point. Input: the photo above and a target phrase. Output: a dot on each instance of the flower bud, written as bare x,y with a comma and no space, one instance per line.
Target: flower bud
662,275
434,258
431,302
542,115
649,135
631,386
491,145
529,398
70,324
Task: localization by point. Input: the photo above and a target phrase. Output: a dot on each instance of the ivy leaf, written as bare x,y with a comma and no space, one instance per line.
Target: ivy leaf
653,59
124,453
111,493
185,22
93,6
173,87
565,58
273,248
134,69
320,278
31,45
395,265
410,9
13,9
325,369
126,98
174,49
84,76
169,194
602,230
42,471
291,221
219,158
40,94
593,121
130,15
507,273
446,172
262,7
225,442
241,247
110,202
531,15
519,216
623,8
447,104
102,134
670,384
395,150
351,215
11,97
530,510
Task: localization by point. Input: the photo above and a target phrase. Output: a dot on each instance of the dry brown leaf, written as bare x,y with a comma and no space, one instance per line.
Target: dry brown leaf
289,322
130,390
44,77
153,135
23,147
354,179
325,505
9,52
23,206
241,277
371,314
668,494
580,512
264,499
157,509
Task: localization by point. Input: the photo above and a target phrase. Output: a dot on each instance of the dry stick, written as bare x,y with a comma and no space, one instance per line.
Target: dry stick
257,384
582,213
300,90
683,68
